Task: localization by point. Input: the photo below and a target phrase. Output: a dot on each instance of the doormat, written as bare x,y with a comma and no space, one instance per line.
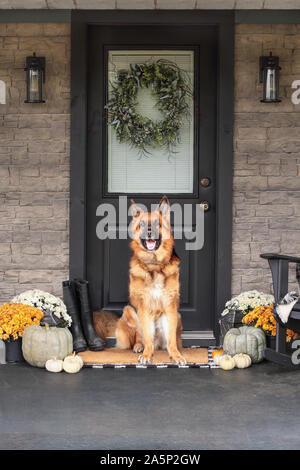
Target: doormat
123,358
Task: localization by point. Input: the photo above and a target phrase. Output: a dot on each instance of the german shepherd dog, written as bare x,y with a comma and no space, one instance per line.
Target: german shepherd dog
151,320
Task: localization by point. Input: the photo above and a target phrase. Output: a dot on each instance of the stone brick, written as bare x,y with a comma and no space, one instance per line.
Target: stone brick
285,223
208,4
54,237
5,248
240,247
287,183
137,5
292,133
35,121
256,133
274,210
35,276
286,146
247,183
33,134
51,248
39,261
255,4
57,29
11,43
95,4
27,212
48,146
289,168
251,146
270,170
25,29
273,197
26,249
26,235
47,224
29,171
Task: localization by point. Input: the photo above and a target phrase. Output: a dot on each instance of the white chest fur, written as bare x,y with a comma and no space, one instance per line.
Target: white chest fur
156,286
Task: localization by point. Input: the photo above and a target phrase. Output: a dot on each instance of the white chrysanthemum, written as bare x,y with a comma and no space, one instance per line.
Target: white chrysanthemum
44,301
247,301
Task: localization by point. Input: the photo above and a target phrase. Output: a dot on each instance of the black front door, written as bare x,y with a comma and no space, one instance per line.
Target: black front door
187,177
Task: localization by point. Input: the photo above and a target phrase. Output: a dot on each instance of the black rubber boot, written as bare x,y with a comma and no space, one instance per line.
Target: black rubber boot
95,343
73,309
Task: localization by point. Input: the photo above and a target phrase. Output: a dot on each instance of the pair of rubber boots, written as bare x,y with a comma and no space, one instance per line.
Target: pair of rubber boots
76,299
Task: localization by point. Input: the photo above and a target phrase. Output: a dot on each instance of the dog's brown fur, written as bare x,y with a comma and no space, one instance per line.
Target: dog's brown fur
105,323
152,319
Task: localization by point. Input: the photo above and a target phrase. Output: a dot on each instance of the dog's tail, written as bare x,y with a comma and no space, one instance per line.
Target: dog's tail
105,323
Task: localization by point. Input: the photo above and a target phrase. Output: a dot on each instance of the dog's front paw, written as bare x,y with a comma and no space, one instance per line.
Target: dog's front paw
145,359
138,348
178,358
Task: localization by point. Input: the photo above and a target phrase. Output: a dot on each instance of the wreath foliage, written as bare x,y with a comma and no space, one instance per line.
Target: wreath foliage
171,87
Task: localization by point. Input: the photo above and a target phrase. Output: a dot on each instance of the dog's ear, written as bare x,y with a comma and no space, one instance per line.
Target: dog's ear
135,210
164,206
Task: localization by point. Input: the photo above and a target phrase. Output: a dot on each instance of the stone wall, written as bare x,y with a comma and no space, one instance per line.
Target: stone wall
266,205
34,161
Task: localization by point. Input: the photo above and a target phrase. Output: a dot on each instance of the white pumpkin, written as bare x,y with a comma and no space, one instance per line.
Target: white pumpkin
242,361
72,364
217,358
54,365
227,362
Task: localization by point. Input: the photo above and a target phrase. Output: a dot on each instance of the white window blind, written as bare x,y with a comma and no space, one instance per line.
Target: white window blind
160,172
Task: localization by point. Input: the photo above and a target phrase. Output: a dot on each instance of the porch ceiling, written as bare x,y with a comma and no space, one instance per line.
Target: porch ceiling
151,4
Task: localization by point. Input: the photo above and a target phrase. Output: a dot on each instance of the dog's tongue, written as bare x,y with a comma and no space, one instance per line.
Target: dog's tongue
150,244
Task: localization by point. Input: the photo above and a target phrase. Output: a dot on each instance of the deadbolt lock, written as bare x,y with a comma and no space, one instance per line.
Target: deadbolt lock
205,182
206,205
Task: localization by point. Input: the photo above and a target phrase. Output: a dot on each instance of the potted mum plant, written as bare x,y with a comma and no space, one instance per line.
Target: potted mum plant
263,317
14,319
55,311
239,306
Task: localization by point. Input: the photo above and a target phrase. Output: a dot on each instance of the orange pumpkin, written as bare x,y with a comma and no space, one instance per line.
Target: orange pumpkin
216,352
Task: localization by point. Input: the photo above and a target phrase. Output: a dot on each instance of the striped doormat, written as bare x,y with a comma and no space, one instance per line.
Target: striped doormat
196,357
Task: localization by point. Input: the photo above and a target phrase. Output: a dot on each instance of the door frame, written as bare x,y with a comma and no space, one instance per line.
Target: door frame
224,20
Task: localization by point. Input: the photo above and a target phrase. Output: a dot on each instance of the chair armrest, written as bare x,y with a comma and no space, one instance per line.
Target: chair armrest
291,259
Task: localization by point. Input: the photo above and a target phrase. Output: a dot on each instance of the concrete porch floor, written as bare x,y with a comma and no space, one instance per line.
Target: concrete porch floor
257,408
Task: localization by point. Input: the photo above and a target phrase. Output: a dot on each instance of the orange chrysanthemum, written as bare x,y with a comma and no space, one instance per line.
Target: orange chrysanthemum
14,318
263,317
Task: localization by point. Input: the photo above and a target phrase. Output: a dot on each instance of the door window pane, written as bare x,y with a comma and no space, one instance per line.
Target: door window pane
160,172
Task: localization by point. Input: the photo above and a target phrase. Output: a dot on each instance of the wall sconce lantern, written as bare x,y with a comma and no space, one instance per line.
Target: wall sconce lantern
269,76
35,77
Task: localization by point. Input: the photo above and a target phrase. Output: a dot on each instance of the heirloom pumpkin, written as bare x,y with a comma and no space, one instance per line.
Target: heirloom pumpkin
247,340
40,343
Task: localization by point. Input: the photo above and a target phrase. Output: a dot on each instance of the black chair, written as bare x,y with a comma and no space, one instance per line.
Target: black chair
279,265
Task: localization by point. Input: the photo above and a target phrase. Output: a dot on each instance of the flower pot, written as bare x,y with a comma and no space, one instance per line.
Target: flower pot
233,319
14,351
271,341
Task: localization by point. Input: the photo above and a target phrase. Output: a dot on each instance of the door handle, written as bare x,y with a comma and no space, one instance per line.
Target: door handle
206,205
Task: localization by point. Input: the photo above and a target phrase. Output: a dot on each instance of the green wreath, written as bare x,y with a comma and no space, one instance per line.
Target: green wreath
170,85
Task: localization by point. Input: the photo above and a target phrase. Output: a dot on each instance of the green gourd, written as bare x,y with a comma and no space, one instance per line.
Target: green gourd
247,340
40,343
